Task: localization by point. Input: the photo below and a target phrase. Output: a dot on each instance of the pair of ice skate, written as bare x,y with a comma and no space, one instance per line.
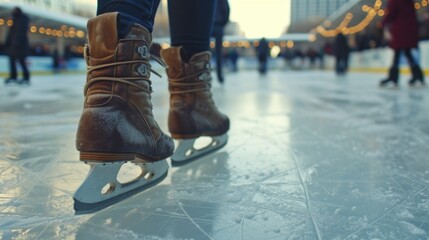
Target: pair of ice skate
117,124
11,80
417,79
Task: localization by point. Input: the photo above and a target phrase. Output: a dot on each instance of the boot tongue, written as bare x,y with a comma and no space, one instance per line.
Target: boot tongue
102,35
178,68
138,32
200,61
172,57
200,57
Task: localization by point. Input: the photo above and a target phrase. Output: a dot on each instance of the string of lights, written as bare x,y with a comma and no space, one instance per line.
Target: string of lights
327,30
64,31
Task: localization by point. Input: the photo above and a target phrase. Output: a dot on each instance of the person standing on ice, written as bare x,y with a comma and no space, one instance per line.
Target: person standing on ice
341,52
117,124
262,53
221,19
401,21
17,46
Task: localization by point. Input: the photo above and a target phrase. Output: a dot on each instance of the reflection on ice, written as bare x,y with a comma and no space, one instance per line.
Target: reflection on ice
309,156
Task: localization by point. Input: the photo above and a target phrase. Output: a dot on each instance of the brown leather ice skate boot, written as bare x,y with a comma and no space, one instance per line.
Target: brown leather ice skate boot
192,111
117,123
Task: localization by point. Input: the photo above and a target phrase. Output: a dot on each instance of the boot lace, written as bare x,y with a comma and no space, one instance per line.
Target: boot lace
126,80
203,83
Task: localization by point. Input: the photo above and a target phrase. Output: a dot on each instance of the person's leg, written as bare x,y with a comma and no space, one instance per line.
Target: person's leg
416,71
218,35
396,58
409,57
12,71
338,65
346,63
393,71
131,11
26,73
265,65
117,123
191,23
341,65
12,68
192,110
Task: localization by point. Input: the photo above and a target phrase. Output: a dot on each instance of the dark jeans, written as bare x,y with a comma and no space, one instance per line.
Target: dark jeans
190,20
191,23
218,35
263,62
12,66
130,12
408,55
341,64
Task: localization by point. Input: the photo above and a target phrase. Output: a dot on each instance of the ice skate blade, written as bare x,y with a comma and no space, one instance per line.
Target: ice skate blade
389,87
186,151
417,85
12,82
93,196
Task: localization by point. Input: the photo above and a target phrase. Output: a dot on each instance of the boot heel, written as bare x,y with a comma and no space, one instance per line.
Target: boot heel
105,157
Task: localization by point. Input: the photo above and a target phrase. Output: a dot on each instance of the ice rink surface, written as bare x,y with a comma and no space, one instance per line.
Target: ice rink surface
310,156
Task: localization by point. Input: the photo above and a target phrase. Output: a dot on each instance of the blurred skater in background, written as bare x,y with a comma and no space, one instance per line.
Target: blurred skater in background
17,46
401,24
263,51
220,21
341,52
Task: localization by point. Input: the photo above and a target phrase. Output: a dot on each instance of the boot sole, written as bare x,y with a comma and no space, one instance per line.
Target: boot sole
189,136
115,157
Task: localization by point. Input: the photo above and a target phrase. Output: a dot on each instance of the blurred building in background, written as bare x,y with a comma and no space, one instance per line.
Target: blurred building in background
58,27
61,24
83,8
302,10
305,14
161,28
55,26
360,22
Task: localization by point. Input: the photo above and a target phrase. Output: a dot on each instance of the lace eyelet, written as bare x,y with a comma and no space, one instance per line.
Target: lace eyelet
204,76
143,70
143,51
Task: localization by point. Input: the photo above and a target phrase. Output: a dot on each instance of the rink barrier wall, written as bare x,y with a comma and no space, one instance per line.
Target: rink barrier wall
44,65
380,59
372,60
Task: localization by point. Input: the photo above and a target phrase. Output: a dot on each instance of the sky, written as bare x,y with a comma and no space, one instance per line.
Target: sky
261,18
258,18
